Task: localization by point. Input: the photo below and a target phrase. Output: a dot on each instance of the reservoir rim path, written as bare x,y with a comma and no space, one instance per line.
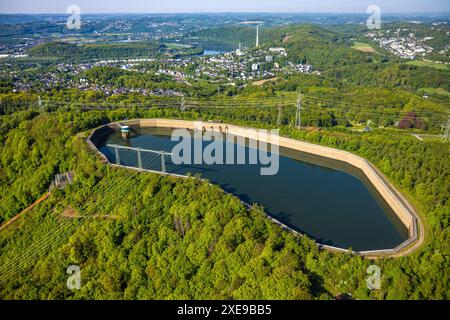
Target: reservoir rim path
393,198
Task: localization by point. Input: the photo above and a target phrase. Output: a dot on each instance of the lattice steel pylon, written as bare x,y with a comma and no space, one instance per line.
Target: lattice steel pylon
182,104
298,116
446,130
280,112
41,108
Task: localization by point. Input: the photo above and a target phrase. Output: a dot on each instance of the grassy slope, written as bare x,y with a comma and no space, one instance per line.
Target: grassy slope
364,47
421,63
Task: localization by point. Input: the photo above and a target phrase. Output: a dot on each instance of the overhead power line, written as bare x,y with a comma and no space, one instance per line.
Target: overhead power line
185,103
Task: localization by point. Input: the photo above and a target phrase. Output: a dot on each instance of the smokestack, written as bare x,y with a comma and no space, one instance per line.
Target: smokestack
257,36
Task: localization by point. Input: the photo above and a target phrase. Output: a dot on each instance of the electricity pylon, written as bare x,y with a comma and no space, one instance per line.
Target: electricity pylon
182,105
41,109
280,111
446,130
298,116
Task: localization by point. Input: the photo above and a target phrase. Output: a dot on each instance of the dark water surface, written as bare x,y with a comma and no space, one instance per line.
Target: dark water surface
329,200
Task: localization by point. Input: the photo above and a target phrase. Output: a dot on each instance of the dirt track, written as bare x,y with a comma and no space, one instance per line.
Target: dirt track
24,211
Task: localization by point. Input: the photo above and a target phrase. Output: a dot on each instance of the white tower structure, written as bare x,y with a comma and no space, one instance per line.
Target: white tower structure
257,36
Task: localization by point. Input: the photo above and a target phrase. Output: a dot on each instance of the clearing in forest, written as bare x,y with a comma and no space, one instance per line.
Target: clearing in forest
364,47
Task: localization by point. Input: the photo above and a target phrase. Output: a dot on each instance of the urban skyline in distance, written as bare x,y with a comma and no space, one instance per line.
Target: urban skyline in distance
231,6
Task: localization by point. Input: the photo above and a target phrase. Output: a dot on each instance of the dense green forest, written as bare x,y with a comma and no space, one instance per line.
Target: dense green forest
231,35
69,51
88,52
145,236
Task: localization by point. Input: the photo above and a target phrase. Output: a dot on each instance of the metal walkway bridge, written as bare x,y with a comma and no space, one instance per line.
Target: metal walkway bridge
143,159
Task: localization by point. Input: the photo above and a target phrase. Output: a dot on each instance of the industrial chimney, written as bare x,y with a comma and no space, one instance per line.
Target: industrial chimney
257,36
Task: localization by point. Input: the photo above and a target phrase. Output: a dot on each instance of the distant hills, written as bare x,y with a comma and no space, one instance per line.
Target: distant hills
74,52
305,43
95,51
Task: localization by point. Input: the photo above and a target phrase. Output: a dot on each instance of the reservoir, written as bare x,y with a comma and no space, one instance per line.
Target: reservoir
329,200
211,52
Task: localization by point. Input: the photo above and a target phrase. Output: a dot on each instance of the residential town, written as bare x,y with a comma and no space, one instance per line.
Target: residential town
405,46
239,65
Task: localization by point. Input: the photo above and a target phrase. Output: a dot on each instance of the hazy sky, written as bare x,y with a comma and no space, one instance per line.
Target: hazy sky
164,6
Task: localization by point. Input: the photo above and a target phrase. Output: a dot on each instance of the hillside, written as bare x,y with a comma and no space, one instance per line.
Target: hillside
68,51
152,237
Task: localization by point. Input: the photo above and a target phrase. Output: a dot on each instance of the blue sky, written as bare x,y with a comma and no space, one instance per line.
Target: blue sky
149,6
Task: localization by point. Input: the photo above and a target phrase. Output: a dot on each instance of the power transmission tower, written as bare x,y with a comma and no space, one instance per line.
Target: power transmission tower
298,116
446,130
182,105
40,104
280,111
